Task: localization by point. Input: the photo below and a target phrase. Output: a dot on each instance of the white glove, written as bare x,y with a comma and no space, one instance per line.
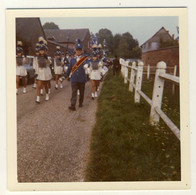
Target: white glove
65,68
85,66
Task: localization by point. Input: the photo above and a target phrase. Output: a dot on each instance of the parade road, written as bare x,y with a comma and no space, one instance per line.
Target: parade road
53,142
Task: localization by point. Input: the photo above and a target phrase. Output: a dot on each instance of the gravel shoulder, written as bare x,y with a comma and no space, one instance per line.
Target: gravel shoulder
53,142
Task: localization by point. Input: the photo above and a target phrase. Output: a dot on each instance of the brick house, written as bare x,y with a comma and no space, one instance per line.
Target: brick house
67,37
152,53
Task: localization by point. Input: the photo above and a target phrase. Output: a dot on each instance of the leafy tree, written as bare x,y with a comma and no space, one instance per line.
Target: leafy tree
136,52
50,25
123,48
106,34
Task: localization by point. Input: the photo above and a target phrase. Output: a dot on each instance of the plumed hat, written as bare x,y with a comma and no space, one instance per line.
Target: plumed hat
78,44
57,53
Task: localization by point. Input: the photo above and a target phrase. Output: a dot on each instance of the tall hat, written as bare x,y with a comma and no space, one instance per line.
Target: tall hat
41,40
42,47
78,44
19,47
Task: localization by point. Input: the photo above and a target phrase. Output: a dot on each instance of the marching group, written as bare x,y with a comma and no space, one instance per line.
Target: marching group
77,68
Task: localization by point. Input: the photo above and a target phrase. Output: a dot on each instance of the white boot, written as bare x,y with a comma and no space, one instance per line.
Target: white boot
34,85
24,90
16,91
56,86
93,95
49,90
37,99
97,88
78,92
41,92
96,94
61,85
47,97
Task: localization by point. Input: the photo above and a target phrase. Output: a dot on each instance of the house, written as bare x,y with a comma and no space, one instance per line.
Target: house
154,42
67,37
28,30
153,50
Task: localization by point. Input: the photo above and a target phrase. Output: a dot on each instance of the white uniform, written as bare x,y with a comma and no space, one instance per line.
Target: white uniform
44,72
20,69
58,66
95,70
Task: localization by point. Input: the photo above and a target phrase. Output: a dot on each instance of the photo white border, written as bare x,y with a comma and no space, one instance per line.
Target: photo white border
11,106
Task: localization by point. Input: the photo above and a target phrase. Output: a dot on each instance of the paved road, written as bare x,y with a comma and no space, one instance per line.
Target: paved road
52,141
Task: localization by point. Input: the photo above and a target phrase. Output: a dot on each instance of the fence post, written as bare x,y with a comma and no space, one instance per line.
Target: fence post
138,84
121,62
132,77
126,73
157,93
148,72
173,86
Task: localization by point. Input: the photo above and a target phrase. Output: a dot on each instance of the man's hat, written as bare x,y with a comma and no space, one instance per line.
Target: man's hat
78,44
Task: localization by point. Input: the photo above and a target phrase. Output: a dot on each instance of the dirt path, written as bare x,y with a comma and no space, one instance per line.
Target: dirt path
53,142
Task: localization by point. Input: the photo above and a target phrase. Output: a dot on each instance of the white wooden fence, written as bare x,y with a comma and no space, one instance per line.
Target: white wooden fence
135,83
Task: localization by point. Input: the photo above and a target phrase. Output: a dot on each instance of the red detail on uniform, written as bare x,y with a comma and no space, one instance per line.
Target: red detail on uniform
78,64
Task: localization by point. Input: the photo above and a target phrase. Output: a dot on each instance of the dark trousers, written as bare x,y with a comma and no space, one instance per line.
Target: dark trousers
116,71
75,86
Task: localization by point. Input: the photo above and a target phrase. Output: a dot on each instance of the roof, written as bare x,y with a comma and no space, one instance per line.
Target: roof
159,32
25,28
66,35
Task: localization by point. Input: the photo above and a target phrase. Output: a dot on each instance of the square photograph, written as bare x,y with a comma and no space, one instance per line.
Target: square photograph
98,99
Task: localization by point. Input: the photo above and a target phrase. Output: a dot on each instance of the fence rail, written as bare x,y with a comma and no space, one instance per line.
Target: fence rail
135,82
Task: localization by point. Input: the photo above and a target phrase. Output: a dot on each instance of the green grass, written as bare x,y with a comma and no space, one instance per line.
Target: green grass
124,147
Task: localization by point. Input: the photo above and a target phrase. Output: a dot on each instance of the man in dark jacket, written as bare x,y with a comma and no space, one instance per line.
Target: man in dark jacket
116,66
77,67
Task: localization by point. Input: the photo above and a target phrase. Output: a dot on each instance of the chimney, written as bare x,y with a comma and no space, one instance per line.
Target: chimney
173,36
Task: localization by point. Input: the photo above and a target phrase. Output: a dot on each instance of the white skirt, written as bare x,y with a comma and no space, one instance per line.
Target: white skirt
44,74
21,71
58,70
95,75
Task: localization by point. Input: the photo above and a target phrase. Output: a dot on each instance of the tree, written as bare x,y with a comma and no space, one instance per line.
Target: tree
50,25
106,34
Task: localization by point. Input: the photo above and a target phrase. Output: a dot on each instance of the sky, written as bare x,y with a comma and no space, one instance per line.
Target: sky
141,28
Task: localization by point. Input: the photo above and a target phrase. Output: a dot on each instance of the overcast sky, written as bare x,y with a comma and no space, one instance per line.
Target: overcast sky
141,28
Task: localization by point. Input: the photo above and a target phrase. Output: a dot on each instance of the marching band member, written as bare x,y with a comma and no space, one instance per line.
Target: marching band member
78,76
35,67
95,71
20,69
58,67
44,73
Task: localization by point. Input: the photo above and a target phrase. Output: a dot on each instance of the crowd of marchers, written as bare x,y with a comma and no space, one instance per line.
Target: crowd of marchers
77,68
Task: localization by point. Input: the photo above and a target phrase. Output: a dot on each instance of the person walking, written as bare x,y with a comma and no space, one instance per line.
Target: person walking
58,67
78,76
44,73
21,72
116,66
95,71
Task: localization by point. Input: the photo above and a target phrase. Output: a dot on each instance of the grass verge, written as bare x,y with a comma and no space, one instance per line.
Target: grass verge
124,147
